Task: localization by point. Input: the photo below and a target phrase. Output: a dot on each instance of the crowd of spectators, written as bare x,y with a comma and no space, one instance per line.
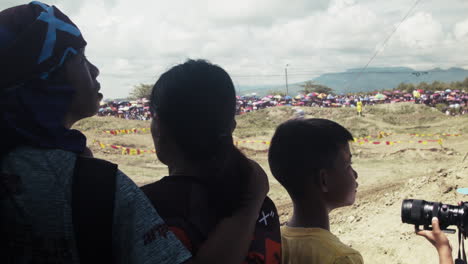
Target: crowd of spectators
136,110
61,205
450,102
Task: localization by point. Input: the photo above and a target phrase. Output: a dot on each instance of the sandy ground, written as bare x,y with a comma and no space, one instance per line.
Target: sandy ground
387,173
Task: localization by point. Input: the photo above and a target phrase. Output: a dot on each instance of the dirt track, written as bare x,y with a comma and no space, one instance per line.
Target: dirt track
387,173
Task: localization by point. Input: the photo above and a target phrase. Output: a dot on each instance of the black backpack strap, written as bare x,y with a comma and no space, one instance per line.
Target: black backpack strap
93,194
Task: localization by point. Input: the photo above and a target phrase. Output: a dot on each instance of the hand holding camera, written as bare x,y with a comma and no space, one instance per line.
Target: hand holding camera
435,218
439,240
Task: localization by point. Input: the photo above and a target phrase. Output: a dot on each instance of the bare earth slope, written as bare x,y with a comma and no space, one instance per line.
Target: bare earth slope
387,173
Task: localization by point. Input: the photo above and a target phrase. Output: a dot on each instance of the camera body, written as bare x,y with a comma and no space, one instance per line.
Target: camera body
420,212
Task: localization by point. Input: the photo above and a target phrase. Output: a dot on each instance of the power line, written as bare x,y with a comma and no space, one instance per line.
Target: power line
387,39
306,74
416,73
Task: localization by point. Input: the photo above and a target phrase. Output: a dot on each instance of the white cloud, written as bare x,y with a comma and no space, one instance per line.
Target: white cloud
421,31
135,41
461,30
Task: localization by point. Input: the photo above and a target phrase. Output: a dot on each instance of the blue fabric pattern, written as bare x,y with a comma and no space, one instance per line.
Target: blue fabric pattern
32,106
54,24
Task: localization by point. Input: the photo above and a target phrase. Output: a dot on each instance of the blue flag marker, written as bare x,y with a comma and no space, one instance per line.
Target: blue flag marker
462,190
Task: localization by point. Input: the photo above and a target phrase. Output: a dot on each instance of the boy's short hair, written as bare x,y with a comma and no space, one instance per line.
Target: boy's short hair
301,147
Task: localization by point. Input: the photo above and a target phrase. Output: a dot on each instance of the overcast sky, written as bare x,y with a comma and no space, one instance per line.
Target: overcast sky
135,41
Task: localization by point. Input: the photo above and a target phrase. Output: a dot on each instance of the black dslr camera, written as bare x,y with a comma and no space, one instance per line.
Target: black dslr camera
420,212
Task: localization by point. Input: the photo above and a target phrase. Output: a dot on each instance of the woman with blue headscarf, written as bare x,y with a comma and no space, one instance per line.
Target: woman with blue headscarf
46,85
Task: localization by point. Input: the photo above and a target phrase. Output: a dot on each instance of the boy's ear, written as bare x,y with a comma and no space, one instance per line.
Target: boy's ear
156,126
323,180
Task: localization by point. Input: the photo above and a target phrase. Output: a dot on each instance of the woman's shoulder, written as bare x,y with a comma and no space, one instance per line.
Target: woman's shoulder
29,153
29,160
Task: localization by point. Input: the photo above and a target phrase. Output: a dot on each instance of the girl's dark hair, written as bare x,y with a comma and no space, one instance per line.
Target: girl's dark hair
196,101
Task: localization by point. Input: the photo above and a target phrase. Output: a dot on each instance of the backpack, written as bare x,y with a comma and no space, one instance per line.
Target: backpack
93,193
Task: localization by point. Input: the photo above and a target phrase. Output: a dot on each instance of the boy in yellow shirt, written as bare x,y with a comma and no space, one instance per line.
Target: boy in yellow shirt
312,160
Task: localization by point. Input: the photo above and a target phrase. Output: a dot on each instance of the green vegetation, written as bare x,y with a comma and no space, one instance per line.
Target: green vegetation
441,107
435,86
410,87
141,91
310,87
108,123
262,122
393,118
277,92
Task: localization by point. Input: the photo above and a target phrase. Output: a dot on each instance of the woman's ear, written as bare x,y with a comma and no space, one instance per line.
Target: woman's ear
323,180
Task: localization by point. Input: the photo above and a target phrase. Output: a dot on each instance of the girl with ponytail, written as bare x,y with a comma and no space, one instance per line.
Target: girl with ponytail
57,205
193,106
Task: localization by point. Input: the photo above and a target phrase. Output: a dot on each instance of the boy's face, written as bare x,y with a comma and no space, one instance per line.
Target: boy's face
341,180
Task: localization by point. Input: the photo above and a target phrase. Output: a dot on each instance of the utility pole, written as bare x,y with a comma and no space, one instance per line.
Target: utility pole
236,85
286,77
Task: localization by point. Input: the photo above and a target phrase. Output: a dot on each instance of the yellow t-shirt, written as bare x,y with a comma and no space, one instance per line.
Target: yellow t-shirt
359,106
315,246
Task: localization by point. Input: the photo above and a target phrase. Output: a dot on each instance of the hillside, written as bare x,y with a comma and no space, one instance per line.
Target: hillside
387,173
376,78
386,78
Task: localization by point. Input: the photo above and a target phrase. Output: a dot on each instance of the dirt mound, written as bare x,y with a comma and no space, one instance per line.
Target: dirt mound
250,152
402,117
430,154
98,124
387,173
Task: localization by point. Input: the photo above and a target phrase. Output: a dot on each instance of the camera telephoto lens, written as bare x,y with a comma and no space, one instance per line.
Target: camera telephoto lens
420,212
416,212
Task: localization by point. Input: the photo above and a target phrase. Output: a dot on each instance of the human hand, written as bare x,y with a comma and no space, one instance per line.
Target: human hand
437,238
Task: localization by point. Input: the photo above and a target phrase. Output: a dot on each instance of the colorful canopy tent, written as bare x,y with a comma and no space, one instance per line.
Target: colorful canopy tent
380,96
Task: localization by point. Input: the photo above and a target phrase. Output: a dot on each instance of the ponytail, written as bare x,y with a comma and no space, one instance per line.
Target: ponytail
226,167
231,170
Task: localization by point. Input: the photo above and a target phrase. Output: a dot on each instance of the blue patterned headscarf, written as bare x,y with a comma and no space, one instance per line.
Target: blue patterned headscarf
35,41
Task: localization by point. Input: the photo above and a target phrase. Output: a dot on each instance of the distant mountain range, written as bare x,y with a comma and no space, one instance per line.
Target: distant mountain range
376,78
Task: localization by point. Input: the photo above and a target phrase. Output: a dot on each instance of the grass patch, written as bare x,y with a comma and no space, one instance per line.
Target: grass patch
262,122
109,123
